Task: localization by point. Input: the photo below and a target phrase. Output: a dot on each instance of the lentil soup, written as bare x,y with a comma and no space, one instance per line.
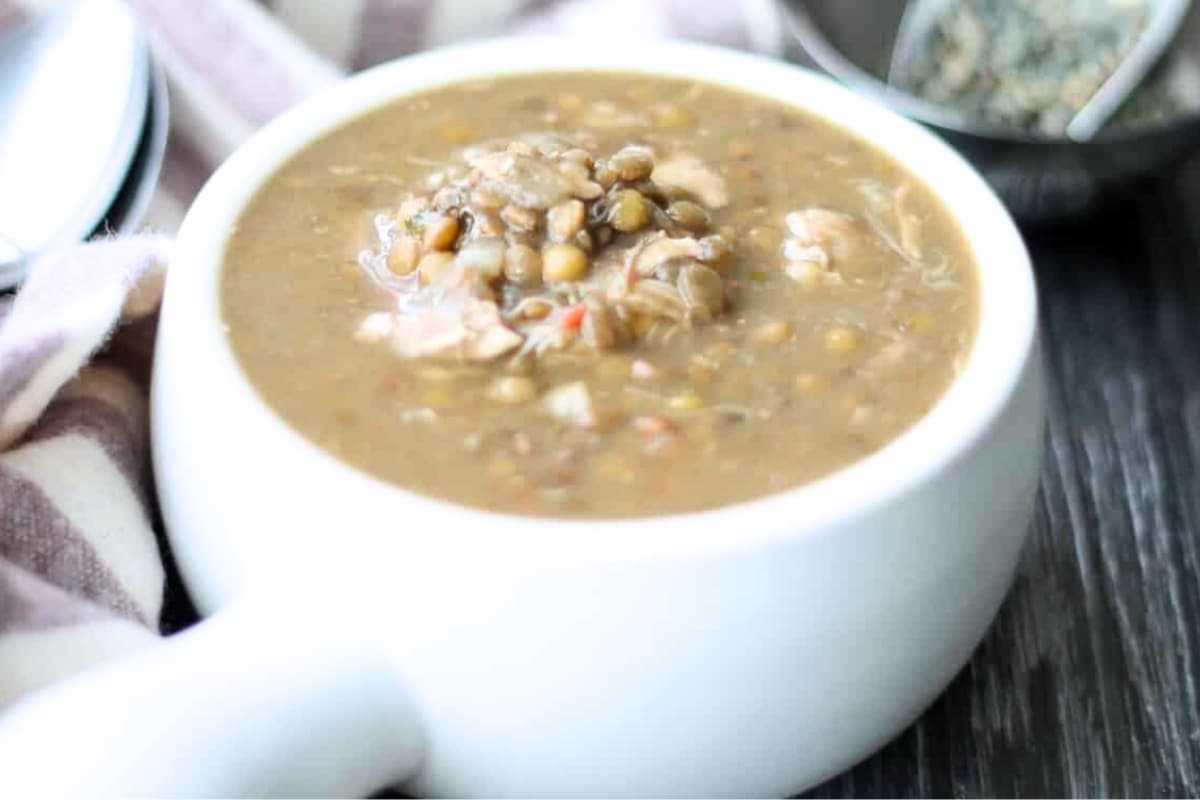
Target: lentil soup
597,295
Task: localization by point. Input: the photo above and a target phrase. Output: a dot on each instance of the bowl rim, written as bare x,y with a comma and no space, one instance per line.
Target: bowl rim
1004,343
800,27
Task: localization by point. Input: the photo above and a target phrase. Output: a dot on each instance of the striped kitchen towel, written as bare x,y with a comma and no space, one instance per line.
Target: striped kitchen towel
80,572
81,575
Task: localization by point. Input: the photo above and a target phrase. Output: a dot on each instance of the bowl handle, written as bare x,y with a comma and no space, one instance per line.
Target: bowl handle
260,700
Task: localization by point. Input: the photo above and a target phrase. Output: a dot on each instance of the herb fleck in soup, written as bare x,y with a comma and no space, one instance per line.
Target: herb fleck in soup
597,295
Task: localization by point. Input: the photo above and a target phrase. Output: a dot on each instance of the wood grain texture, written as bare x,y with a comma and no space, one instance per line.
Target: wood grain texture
1086,685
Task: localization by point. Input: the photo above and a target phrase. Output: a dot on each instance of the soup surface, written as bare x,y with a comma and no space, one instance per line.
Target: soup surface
597,295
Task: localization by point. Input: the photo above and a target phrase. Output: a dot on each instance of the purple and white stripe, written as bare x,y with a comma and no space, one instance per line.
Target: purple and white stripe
10,14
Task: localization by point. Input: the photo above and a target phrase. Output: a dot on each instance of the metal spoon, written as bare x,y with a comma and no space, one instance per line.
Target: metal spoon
132,203
1166,18
74,89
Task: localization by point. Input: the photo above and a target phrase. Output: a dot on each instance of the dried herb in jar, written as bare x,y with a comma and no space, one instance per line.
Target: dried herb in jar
1033,64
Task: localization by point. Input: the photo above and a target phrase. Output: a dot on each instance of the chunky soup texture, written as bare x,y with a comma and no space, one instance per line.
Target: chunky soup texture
597,295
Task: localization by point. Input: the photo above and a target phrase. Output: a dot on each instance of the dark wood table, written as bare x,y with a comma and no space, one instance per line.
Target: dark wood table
1086,684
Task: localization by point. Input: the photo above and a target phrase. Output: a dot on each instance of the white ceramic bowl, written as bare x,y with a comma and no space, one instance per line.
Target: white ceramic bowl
363,634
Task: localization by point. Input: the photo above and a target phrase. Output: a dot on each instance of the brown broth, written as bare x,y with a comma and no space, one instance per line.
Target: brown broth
749,417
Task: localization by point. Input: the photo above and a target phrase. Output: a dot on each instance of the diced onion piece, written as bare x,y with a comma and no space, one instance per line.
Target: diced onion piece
794,251
375,327
571,403
485,256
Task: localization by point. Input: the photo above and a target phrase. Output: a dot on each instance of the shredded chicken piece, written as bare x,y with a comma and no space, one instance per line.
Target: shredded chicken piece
819,226
453,318
657,249
907,223
839,235
543,338
473,332
656,299
531,182
685,172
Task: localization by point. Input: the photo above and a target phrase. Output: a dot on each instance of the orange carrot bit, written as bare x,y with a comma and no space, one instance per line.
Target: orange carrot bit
572,318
